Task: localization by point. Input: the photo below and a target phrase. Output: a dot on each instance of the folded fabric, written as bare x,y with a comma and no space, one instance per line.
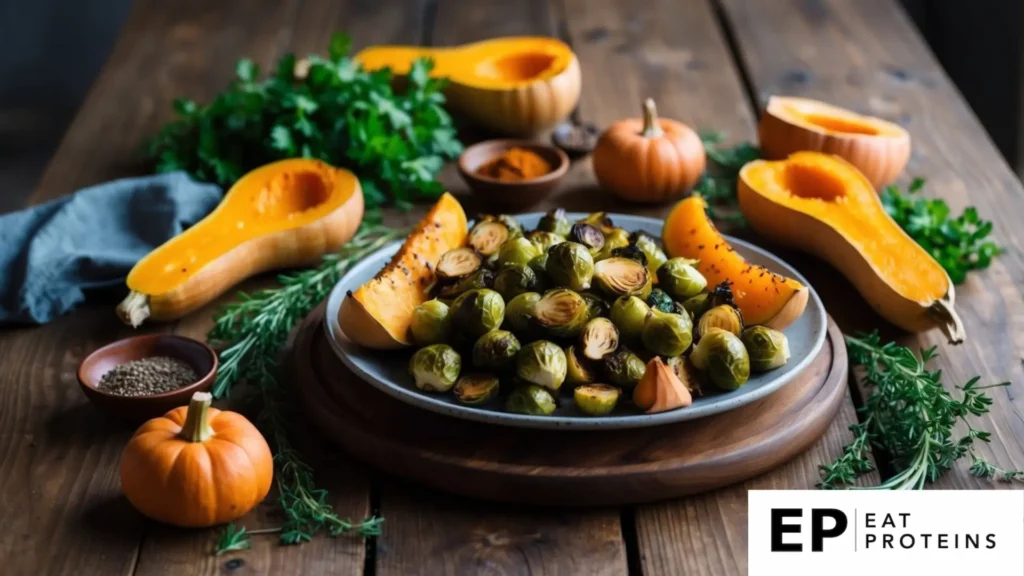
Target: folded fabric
52,253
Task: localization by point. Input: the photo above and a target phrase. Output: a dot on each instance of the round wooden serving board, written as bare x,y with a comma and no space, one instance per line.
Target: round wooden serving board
568,468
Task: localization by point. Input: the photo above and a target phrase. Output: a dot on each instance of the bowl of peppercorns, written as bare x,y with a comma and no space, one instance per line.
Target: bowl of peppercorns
143,377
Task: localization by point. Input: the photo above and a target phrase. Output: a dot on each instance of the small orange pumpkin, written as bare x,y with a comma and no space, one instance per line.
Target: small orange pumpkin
196,466
649,160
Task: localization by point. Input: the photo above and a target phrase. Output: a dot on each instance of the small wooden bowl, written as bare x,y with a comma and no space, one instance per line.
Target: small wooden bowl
511,195
199,356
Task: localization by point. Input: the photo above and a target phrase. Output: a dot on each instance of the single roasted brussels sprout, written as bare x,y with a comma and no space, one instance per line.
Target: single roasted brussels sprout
430,323
629,314
667,334
488,235
570,265
530,399
723,316
680,279
476,388
596,304
768,348
541,363
435,368
697,305
482,278
517,251
578,370
519,312
659,300
496,349
596,399
555,222
477,312
544,240
587,235
655,255
687,374
624,368
458,263
723,357
613,239
599,337
513,280
600,220
561,313
620,276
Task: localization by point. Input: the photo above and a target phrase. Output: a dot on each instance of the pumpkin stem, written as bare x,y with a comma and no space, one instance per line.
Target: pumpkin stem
134,309
949,322
197,427
652,128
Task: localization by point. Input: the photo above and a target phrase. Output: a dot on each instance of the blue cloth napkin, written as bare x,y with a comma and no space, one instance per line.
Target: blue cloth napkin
52,253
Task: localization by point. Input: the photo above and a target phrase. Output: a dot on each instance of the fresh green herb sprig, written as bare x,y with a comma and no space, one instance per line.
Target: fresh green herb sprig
252,333
911,417
959,244
718,184
336,112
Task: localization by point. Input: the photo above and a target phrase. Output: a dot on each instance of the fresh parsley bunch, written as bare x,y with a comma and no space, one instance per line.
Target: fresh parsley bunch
333,111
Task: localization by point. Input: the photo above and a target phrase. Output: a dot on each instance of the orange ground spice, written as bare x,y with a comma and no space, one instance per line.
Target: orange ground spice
515,165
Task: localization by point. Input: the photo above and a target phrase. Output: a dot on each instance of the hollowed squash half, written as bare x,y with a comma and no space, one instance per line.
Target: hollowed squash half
516,85
284,214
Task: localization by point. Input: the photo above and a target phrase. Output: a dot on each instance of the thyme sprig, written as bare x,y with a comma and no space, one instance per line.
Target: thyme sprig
252,333
910,416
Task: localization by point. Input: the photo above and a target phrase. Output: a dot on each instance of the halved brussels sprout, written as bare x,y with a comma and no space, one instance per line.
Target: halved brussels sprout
488,235
697,305
542,363
722,316
667,334
496,349
482,278
458,263
613,239
587,235
624,368
596,399
597,305
724,358
544,240
655,255
530,399
517,251
477,388
561,312
570,265
687,374
617,276
629,314
659,300
578,370
519,312
435,368
514,280
768,348
555,222
600,220
477,312
430,323
680,279
599,337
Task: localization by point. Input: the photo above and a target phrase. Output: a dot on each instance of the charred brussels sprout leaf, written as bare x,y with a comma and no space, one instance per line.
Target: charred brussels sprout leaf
667,334
457,263
570,265
477,312
474,389
624,368
596,399
519,312
541,363
530,399
722,316
724,358
680,279
659,300
514,280
578,369
555,222
599,337
482,278
561,313
430,323
435,368
721,294
597,306
544,240
587,235
518,252
613,240
768,348
496,349
629,314
631,252
617,276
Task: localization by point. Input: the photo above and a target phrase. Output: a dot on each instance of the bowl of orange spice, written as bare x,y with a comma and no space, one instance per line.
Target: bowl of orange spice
512,174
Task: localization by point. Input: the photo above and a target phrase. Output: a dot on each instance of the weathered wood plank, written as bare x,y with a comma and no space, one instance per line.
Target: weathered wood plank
868,57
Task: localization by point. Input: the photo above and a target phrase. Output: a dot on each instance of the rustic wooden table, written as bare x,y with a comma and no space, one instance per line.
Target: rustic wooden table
707,62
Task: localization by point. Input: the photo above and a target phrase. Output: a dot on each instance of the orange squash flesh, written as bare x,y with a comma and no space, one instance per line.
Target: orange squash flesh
378,314
761,295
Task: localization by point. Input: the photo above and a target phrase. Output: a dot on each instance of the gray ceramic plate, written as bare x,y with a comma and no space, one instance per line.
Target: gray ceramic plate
387,370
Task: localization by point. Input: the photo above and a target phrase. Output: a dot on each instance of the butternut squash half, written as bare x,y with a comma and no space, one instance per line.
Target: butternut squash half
516,85
285,214
378,314
823,205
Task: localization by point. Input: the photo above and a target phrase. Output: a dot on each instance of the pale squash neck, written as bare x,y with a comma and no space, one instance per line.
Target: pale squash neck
652,128
197,425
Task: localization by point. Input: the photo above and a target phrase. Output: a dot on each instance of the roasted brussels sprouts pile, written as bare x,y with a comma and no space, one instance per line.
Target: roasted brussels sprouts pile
570,313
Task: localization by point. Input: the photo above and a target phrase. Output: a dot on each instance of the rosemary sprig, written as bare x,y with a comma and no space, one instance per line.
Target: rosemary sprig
911,417
252,333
